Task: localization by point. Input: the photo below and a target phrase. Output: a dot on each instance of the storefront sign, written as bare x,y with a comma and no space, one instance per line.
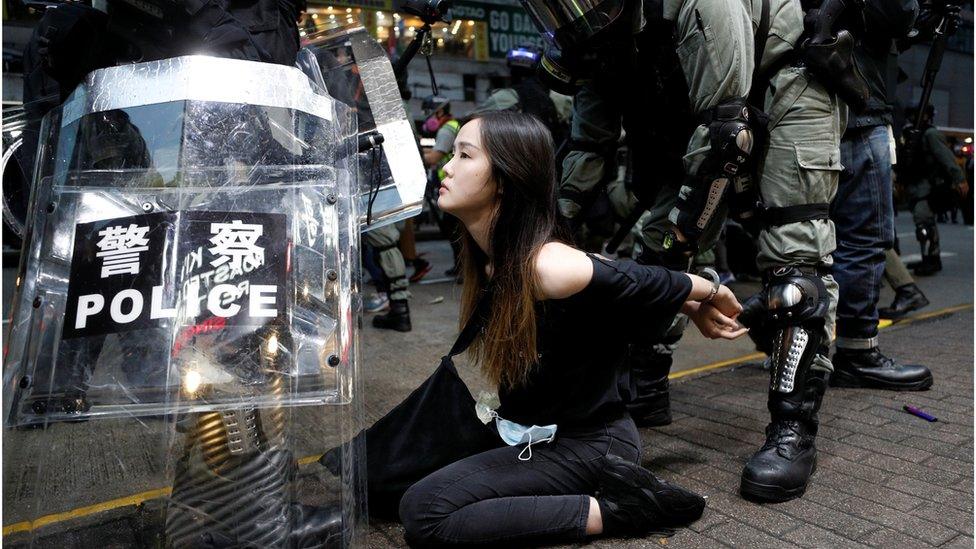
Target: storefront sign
508,26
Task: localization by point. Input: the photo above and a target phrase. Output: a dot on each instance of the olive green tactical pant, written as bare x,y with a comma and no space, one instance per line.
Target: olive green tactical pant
389,258
922,213
895,272
801,165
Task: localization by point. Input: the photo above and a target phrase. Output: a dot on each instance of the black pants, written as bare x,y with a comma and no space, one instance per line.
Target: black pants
495,498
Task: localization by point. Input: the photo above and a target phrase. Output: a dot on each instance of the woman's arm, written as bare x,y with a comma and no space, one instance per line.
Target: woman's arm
561,271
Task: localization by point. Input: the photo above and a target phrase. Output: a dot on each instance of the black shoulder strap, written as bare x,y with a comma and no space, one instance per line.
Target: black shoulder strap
474,325
758,89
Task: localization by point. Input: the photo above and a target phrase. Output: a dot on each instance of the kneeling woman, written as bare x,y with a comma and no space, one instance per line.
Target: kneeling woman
555,341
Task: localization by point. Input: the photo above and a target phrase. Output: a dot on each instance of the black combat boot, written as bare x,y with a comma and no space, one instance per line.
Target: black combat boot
649,368
315,527
650,365
929,265
781,469
634,502
908,298
397,319
871,369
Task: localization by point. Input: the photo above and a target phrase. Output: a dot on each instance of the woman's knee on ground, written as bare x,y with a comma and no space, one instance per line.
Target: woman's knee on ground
422,516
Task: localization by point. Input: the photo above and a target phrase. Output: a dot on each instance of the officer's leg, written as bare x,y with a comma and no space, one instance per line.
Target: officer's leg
927,233
908,296
231,485
864,228
798,179
714,71
384,241
895,272
651,361
864,217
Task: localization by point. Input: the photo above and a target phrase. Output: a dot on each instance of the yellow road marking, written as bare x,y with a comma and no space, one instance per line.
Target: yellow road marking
717,365
940,312
136,499
309,459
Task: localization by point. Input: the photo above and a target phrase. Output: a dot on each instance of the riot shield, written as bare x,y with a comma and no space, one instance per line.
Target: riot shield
358,72
15,188
184,343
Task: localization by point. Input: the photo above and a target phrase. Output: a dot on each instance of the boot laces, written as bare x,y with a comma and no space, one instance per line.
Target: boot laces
886,362
783,435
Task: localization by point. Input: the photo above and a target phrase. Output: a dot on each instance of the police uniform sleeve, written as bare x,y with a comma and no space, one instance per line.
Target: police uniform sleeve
500,100
935,143
444,140
641,300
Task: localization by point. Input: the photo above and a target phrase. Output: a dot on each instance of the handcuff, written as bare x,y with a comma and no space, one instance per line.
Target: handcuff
710,274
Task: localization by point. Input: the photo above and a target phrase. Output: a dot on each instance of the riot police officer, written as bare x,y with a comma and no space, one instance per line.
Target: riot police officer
933,165
725,50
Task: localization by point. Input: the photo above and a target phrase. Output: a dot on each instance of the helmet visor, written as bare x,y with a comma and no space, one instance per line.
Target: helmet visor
569,23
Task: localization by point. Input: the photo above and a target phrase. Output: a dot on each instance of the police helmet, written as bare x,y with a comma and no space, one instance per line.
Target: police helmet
525,57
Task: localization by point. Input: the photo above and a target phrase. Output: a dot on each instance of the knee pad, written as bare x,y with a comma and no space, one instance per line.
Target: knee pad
922,232
797,306
754,316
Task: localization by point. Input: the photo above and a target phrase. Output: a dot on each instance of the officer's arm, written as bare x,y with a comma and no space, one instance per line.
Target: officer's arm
892,18
935,143
443,144
716,51
925,24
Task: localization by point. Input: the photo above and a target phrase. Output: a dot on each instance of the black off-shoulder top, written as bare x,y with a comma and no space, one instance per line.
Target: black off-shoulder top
581,378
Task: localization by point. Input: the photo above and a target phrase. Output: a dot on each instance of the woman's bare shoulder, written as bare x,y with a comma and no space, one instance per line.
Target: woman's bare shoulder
561,270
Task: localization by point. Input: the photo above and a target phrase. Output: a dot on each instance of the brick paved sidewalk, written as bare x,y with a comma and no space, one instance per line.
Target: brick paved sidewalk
884,479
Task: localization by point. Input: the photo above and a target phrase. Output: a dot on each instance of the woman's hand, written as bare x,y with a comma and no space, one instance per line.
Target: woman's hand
712,322
726,302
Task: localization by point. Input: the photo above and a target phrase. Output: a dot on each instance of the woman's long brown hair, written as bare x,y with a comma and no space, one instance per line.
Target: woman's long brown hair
522,158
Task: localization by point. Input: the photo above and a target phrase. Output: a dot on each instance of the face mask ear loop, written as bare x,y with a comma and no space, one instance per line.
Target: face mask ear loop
527,447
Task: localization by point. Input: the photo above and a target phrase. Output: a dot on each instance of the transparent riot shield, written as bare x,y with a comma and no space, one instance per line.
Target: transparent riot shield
184,341
358,72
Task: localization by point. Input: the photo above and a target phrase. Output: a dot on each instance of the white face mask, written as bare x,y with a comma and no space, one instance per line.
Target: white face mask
514,434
